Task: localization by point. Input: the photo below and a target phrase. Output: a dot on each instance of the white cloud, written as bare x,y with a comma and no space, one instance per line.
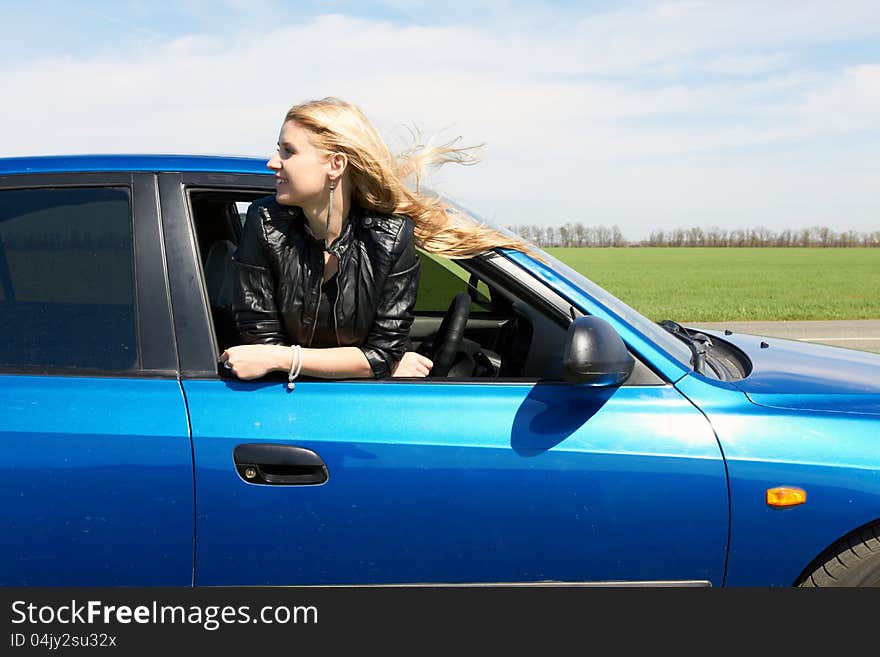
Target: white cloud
850,103
571,123
633,38
724,65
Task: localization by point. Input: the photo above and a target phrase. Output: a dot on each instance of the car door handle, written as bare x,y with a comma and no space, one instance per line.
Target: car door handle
279,465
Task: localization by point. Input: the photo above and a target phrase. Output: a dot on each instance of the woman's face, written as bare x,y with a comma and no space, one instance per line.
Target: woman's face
301,170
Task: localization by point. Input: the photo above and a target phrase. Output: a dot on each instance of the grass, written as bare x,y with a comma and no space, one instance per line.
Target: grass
729,284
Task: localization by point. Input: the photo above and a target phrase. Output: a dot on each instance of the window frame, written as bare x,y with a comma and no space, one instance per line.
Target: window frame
193,322
156,353
193,326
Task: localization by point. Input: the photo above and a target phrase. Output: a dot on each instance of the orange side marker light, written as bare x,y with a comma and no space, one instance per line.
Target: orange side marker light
783,496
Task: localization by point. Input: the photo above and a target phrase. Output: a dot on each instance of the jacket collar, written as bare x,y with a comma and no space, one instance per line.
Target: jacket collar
357,216
341,244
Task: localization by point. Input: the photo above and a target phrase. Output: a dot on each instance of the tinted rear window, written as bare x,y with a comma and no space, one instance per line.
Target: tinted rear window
66,275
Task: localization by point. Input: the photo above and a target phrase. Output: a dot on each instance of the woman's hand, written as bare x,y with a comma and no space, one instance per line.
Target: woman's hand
412,364
251,361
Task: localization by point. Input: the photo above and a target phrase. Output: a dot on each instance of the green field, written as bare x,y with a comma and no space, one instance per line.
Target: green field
719,284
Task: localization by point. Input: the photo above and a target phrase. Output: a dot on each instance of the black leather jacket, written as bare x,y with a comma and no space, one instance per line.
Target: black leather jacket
280,267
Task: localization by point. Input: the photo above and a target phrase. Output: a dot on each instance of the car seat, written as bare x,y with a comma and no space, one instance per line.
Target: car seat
219,279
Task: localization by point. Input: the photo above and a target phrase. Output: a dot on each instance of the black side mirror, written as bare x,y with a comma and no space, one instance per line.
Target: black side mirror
595,355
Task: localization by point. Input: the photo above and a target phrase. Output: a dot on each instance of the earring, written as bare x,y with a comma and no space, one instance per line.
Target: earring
329,210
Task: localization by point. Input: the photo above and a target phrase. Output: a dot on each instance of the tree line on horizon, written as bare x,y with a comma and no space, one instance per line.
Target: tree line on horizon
576,234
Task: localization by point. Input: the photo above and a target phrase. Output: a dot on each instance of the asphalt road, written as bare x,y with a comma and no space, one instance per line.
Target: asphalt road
861,334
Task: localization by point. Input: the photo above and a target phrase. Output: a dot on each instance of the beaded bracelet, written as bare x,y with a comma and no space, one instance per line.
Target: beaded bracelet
295,360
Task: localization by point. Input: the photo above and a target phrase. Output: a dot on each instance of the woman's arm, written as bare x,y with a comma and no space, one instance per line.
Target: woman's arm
252,361
253,302
386,343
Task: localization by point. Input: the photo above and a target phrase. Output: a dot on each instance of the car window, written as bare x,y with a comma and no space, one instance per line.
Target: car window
66,270
672,345
440,279
241,207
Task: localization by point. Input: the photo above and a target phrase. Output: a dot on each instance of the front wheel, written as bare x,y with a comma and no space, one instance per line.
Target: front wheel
852,561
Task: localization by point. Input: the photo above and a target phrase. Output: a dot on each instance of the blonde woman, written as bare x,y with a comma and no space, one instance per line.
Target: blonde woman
327,267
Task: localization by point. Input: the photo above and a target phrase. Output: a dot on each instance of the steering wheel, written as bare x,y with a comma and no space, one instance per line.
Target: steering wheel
446,342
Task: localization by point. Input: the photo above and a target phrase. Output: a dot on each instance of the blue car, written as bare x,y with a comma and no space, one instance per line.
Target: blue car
562,436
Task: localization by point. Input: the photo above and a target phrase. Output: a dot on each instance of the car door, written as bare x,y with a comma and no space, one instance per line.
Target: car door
435,481
97,484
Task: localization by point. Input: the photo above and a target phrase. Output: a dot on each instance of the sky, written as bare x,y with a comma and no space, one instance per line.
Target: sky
646,115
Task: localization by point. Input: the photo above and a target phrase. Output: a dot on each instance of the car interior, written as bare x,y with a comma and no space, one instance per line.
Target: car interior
473,318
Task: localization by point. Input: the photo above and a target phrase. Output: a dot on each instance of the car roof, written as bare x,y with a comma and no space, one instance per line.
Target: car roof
145,163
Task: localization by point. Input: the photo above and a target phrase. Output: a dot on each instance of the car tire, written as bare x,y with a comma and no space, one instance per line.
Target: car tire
852,561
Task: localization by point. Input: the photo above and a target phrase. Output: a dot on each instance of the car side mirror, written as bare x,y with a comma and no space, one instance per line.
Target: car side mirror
595,354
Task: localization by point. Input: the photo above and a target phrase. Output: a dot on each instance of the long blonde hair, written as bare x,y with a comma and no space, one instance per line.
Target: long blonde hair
379,179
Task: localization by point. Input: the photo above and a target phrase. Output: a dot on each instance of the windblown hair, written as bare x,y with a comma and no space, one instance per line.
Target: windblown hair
379,179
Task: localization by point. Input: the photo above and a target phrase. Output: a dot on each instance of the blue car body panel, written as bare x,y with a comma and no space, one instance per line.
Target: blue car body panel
835,458
97,482
798,376
433,483
156,163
